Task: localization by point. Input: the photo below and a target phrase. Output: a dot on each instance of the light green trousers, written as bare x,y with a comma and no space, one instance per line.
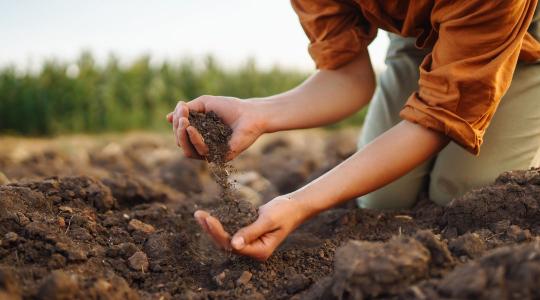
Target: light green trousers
511,142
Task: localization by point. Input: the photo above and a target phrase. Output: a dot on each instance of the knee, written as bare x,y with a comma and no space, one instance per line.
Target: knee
442,190
388,198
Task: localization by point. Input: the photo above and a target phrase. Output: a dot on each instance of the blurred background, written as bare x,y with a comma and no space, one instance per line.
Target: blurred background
112,66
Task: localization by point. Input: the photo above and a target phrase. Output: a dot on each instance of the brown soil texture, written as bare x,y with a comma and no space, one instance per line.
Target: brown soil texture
233,212
118,225
215,132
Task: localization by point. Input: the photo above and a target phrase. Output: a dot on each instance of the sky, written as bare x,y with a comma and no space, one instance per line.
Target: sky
233,30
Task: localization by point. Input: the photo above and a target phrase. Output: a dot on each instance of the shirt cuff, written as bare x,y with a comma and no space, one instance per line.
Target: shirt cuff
443,121
337,51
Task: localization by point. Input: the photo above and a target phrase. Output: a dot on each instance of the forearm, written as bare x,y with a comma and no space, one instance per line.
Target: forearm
387,158
324,98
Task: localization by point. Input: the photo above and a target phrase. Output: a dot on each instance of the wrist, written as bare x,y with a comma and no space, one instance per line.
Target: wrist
269,113
306,203
257,113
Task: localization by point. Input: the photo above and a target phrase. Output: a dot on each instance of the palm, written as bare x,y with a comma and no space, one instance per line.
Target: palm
260,239
243,125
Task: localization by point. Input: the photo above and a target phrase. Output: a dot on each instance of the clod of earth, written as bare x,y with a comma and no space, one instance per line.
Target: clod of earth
136,225
233,212
138,261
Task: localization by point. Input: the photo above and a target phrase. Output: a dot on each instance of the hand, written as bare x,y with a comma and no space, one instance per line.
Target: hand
244,117
277,219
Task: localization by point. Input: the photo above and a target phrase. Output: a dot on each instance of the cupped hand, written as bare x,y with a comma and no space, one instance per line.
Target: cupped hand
277,219
244,117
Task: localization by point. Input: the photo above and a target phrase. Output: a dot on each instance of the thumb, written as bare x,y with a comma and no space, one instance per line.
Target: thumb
240,140
247,235
197,105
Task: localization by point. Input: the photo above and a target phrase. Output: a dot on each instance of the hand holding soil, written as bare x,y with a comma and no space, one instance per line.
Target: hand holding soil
244,118
258,240
277,219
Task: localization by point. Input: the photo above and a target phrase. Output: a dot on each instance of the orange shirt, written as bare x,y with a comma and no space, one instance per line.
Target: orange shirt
475,46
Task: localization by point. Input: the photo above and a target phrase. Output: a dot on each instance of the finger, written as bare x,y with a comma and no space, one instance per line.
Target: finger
183,140
177,114
240,140
175,128
263,247
197,104
235,146
218,234
178,129
184,110
197,141
200,217
182,114
248,234
169,117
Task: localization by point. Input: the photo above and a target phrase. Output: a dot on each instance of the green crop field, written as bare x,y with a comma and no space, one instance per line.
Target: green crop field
118,97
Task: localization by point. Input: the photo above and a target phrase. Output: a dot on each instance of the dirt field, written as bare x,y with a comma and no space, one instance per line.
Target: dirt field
111,218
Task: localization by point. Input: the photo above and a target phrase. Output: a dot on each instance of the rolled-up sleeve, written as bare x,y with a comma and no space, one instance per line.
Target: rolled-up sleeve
336,30
470,68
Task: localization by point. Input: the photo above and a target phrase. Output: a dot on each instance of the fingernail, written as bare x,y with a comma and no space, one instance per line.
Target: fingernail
200,222
238,242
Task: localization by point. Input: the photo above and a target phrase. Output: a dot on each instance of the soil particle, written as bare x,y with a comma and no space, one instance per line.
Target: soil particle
441,258
123,250
516,234
139,226
138,262
244,278
221,277
65,209
296,283
10,238
469,244
72,252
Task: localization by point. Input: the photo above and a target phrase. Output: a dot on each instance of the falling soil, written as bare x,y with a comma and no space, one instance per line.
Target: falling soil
132,236
234,212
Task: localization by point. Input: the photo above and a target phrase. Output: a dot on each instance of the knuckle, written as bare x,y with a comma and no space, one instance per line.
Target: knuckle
206,98
267,218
